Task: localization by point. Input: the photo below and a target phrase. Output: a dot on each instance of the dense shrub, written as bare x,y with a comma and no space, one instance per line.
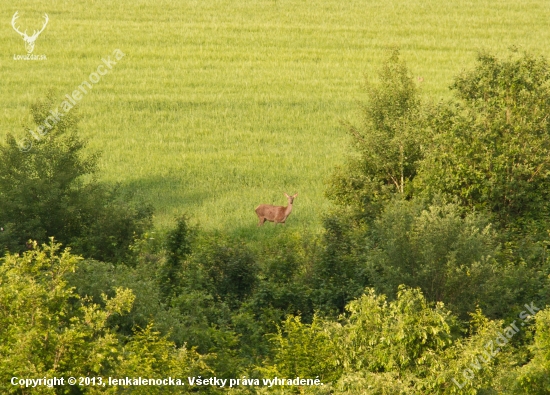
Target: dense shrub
51,190
48,330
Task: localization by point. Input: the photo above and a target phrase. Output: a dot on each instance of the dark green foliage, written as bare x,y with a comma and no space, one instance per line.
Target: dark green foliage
451,258
227,270
51,191
214,280
41,190
339,274
113,221
284,279
488,152
178,247
178,241
283,287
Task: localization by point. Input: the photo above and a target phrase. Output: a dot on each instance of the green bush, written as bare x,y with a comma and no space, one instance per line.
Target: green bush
490,147
386,146
48,330
51,190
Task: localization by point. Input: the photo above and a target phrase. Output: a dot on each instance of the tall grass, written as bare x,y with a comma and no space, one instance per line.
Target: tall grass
219,106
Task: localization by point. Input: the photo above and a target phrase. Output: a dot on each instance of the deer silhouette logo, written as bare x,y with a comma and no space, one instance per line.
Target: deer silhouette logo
29,40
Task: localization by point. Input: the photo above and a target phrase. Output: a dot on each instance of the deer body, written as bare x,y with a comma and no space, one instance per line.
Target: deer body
277,214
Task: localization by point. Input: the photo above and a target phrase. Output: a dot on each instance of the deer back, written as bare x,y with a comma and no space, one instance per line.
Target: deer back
271,213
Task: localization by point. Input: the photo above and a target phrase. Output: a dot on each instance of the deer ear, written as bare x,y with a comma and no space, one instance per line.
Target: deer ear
286,195
295,195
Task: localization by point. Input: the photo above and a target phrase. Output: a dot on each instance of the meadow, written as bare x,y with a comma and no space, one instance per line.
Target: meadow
218,106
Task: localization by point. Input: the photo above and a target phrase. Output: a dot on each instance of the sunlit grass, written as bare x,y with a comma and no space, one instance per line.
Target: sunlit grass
219,106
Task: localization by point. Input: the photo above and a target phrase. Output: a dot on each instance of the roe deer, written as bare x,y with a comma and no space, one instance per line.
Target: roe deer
277,214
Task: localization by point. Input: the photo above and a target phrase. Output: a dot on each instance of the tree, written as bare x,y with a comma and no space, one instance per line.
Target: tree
386,144
226,269
47,330
52,190
450,257
406,346
488,152
303,350
339,273
490,148
178,247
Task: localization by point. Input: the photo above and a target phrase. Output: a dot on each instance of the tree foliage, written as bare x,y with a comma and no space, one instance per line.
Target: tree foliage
491,147
534,377
406,346
387,145
52,191
48,330
450,257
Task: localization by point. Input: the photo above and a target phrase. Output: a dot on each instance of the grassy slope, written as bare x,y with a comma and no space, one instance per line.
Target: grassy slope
221,105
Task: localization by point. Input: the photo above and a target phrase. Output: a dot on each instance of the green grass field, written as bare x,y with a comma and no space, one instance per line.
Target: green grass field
219,106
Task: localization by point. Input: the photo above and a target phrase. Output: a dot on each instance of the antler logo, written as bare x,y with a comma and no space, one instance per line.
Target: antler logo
29,40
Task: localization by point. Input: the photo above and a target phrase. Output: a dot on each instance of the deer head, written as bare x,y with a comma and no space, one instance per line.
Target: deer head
29,40
290,198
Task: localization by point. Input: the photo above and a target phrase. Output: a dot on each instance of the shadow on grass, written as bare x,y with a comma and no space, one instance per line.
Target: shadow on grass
170,196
